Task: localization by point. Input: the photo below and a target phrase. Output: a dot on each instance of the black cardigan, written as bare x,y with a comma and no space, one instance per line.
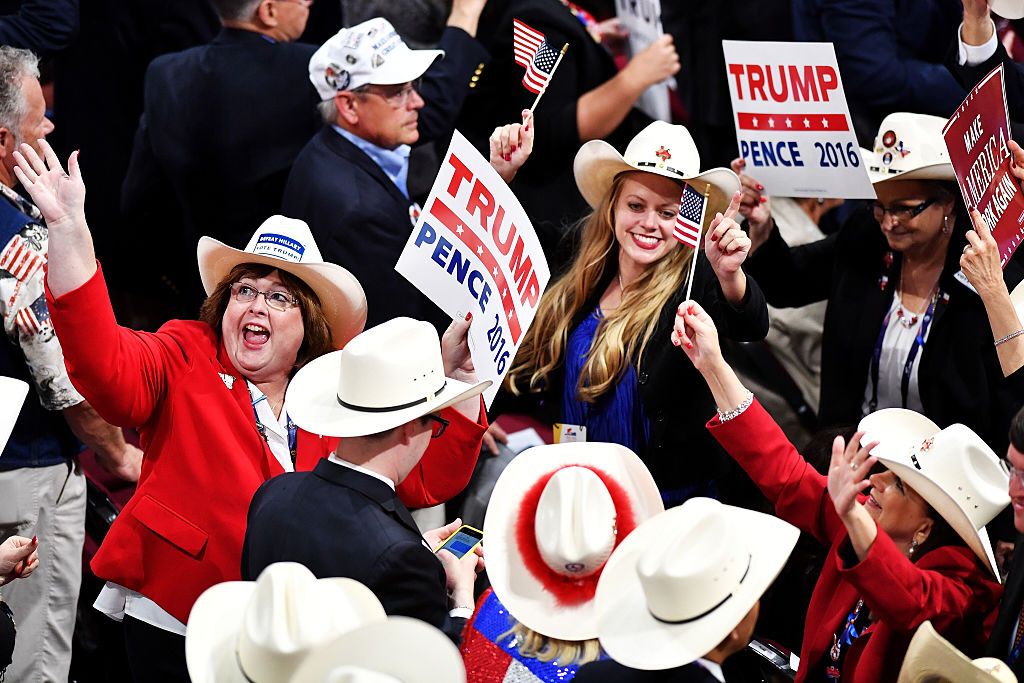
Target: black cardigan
680,452
959,379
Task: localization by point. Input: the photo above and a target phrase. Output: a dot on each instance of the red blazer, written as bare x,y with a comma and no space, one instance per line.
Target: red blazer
204,459
948,586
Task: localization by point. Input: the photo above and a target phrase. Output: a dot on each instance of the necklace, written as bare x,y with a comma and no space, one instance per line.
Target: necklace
906,317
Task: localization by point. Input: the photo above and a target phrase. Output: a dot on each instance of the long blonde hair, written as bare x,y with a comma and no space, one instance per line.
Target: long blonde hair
622,334
529,643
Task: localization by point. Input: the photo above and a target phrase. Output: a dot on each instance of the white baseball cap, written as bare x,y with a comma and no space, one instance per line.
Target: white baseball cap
368,53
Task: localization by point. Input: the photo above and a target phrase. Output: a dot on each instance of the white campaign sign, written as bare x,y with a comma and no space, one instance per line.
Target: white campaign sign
642,18
474,250
792,122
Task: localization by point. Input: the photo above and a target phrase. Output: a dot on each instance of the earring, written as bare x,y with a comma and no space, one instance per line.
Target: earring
945,225
913,547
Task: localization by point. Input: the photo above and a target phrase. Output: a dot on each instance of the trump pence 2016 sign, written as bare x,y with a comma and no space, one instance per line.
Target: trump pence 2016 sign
474,249
792,122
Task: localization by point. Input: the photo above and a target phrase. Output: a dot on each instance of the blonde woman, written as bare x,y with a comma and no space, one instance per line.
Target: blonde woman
598,357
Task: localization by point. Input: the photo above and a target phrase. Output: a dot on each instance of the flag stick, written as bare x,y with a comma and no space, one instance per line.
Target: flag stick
696,250
543,90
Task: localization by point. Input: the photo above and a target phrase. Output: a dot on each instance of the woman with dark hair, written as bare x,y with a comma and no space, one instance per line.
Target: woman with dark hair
906,545
900,329
207,398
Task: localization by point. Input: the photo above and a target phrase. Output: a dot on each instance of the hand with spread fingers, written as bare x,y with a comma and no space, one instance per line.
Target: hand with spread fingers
755,206
847,473
60,196
511,145
980,260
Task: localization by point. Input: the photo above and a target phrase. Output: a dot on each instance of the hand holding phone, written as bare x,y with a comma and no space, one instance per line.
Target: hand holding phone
462,542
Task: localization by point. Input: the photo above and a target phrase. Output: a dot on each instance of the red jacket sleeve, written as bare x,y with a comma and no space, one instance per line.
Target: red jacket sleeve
446,467
946,583
121,372
799,493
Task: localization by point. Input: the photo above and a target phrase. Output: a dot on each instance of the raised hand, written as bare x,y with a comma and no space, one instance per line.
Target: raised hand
847,474
980,260
60,196
725,243
656,63
511,145
695,332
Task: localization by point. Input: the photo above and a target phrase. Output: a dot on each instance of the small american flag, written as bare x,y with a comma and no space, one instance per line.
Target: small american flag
690,217
533,53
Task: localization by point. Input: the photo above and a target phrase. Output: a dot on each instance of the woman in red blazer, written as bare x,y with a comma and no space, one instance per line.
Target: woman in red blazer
207,398
898,556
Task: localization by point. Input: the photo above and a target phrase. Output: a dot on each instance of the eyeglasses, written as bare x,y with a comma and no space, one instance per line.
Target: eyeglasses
437,425
396,96
278,300
900,212
1014,472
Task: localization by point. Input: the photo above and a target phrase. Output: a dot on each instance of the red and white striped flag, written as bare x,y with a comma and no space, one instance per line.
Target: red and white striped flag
690,217
533,53
21,260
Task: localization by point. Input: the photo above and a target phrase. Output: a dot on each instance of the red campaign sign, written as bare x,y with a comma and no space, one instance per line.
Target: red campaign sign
976,137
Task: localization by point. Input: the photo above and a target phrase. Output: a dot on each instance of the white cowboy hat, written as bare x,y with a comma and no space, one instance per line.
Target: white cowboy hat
385,377
680,583
555,514
370,52
399,650
12,397
909,147
660,148
953,469
931,658
261,630
1007,9
288,245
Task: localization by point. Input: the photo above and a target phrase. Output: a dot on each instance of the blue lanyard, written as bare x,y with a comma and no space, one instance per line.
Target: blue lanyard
293,431
915,347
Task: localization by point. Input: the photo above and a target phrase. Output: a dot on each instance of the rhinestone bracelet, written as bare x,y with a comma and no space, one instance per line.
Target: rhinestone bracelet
726,415
1012,335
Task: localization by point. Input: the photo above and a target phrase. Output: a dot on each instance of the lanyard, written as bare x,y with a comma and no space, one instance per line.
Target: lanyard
293,431
842,639
915,347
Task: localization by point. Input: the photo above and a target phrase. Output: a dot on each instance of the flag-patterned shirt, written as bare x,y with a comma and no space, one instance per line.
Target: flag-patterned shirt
23,308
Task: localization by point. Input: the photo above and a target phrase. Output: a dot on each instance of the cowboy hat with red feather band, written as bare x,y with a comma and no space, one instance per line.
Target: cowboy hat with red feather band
555,515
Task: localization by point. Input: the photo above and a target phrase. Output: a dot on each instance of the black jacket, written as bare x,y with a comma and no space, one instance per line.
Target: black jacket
609,671
1013,80
1009,612
680,453
959,379
338,522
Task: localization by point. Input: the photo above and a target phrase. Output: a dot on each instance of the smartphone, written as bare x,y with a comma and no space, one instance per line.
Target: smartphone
462,541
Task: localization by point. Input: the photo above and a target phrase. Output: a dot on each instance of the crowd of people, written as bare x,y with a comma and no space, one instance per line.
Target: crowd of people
794,451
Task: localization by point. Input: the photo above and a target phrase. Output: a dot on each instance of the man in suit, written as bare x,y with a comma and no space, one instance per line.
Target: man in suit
350,182
1008,631
221,126
344,519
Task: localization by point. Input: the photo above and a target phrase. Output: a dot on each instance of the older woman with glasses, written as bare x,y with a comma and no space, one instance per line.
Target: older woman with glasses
900,329
207,397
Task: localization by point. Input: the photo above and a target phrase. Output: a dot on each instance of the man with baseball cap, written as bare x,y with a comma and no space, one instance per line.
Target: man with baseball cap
349,183
383,393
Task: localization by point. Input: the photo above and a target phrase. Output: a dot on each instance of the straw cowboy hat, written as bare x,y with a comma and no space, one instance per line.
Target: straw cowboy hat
933,659
385,377
680,583
953,469
555,515
399,650
242,631
1008,9
909,147
288,245
660,148
12,397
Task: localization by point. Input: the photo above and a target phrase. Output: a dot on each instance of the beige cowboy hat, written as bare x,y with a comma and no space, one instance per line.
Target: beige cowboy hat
399,650
288,245
933,659
12,397
262,630
1008,9
909,147
385,377
680,583
555,515
953,469
660,148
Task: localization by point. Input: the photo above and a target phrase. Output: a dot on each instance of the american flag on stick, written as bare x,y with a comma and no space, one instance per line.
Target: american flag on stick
535,54
690,217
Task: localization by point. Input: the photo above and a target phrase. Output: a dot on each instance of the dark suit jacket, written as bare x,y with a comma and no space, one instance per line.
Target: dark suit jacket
1013,78
342,523
222,124
1009,611
609,671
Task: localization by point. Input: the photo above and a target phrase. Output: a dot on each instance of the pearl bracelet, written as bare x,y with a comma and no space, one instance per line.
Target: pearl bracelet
1012,335
726,415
